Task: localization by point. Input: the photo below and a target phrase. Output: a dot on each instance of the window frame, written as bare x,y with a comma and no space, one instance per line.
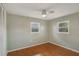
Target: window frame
63,27
38,27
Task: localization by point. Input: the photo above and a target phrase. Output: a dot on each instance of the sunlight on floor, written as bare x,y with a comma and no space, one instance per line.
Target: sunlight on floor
38,55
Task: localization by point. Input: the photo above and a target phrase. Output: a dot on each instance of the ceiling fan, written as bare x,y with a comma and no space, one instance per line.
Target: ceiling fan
45,12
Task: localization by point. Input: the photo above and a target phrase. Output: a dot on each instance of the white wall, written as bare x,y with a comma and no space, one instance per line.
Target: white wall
19,34
70,40
2,32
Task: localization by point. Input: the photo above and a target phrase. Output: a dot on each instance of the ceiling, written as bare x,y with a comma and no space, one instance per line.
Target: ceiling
34,9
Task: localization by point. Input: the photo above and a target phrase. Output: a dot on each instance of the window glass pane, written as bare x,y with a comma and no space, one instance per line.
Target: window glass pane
35,27
63,25
63,29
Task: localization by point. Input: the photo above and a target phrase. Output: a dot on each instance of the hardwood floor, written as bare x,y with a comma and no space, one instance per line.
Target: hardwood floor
47,49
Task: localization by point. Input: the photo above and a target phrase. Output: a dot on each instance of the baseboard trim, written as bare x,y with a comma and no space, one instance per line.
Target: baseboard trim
65,47
26,47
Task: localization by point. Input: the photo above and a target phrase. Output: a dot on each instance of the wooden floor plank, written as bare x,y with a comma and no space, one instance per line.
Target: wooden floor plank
47,49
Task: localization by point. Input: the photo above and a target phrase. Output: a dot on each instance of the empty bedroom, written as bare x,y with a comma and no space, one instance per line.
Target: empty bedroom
39,29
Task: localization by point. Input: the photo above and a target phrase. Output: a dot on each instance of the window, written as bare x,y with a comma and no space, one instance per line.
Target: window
63,27
35,27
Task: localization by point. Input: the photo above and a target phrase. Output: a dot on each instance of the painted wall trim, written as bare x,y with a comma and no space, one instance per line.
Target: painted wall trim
3,18
27,47
65,47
